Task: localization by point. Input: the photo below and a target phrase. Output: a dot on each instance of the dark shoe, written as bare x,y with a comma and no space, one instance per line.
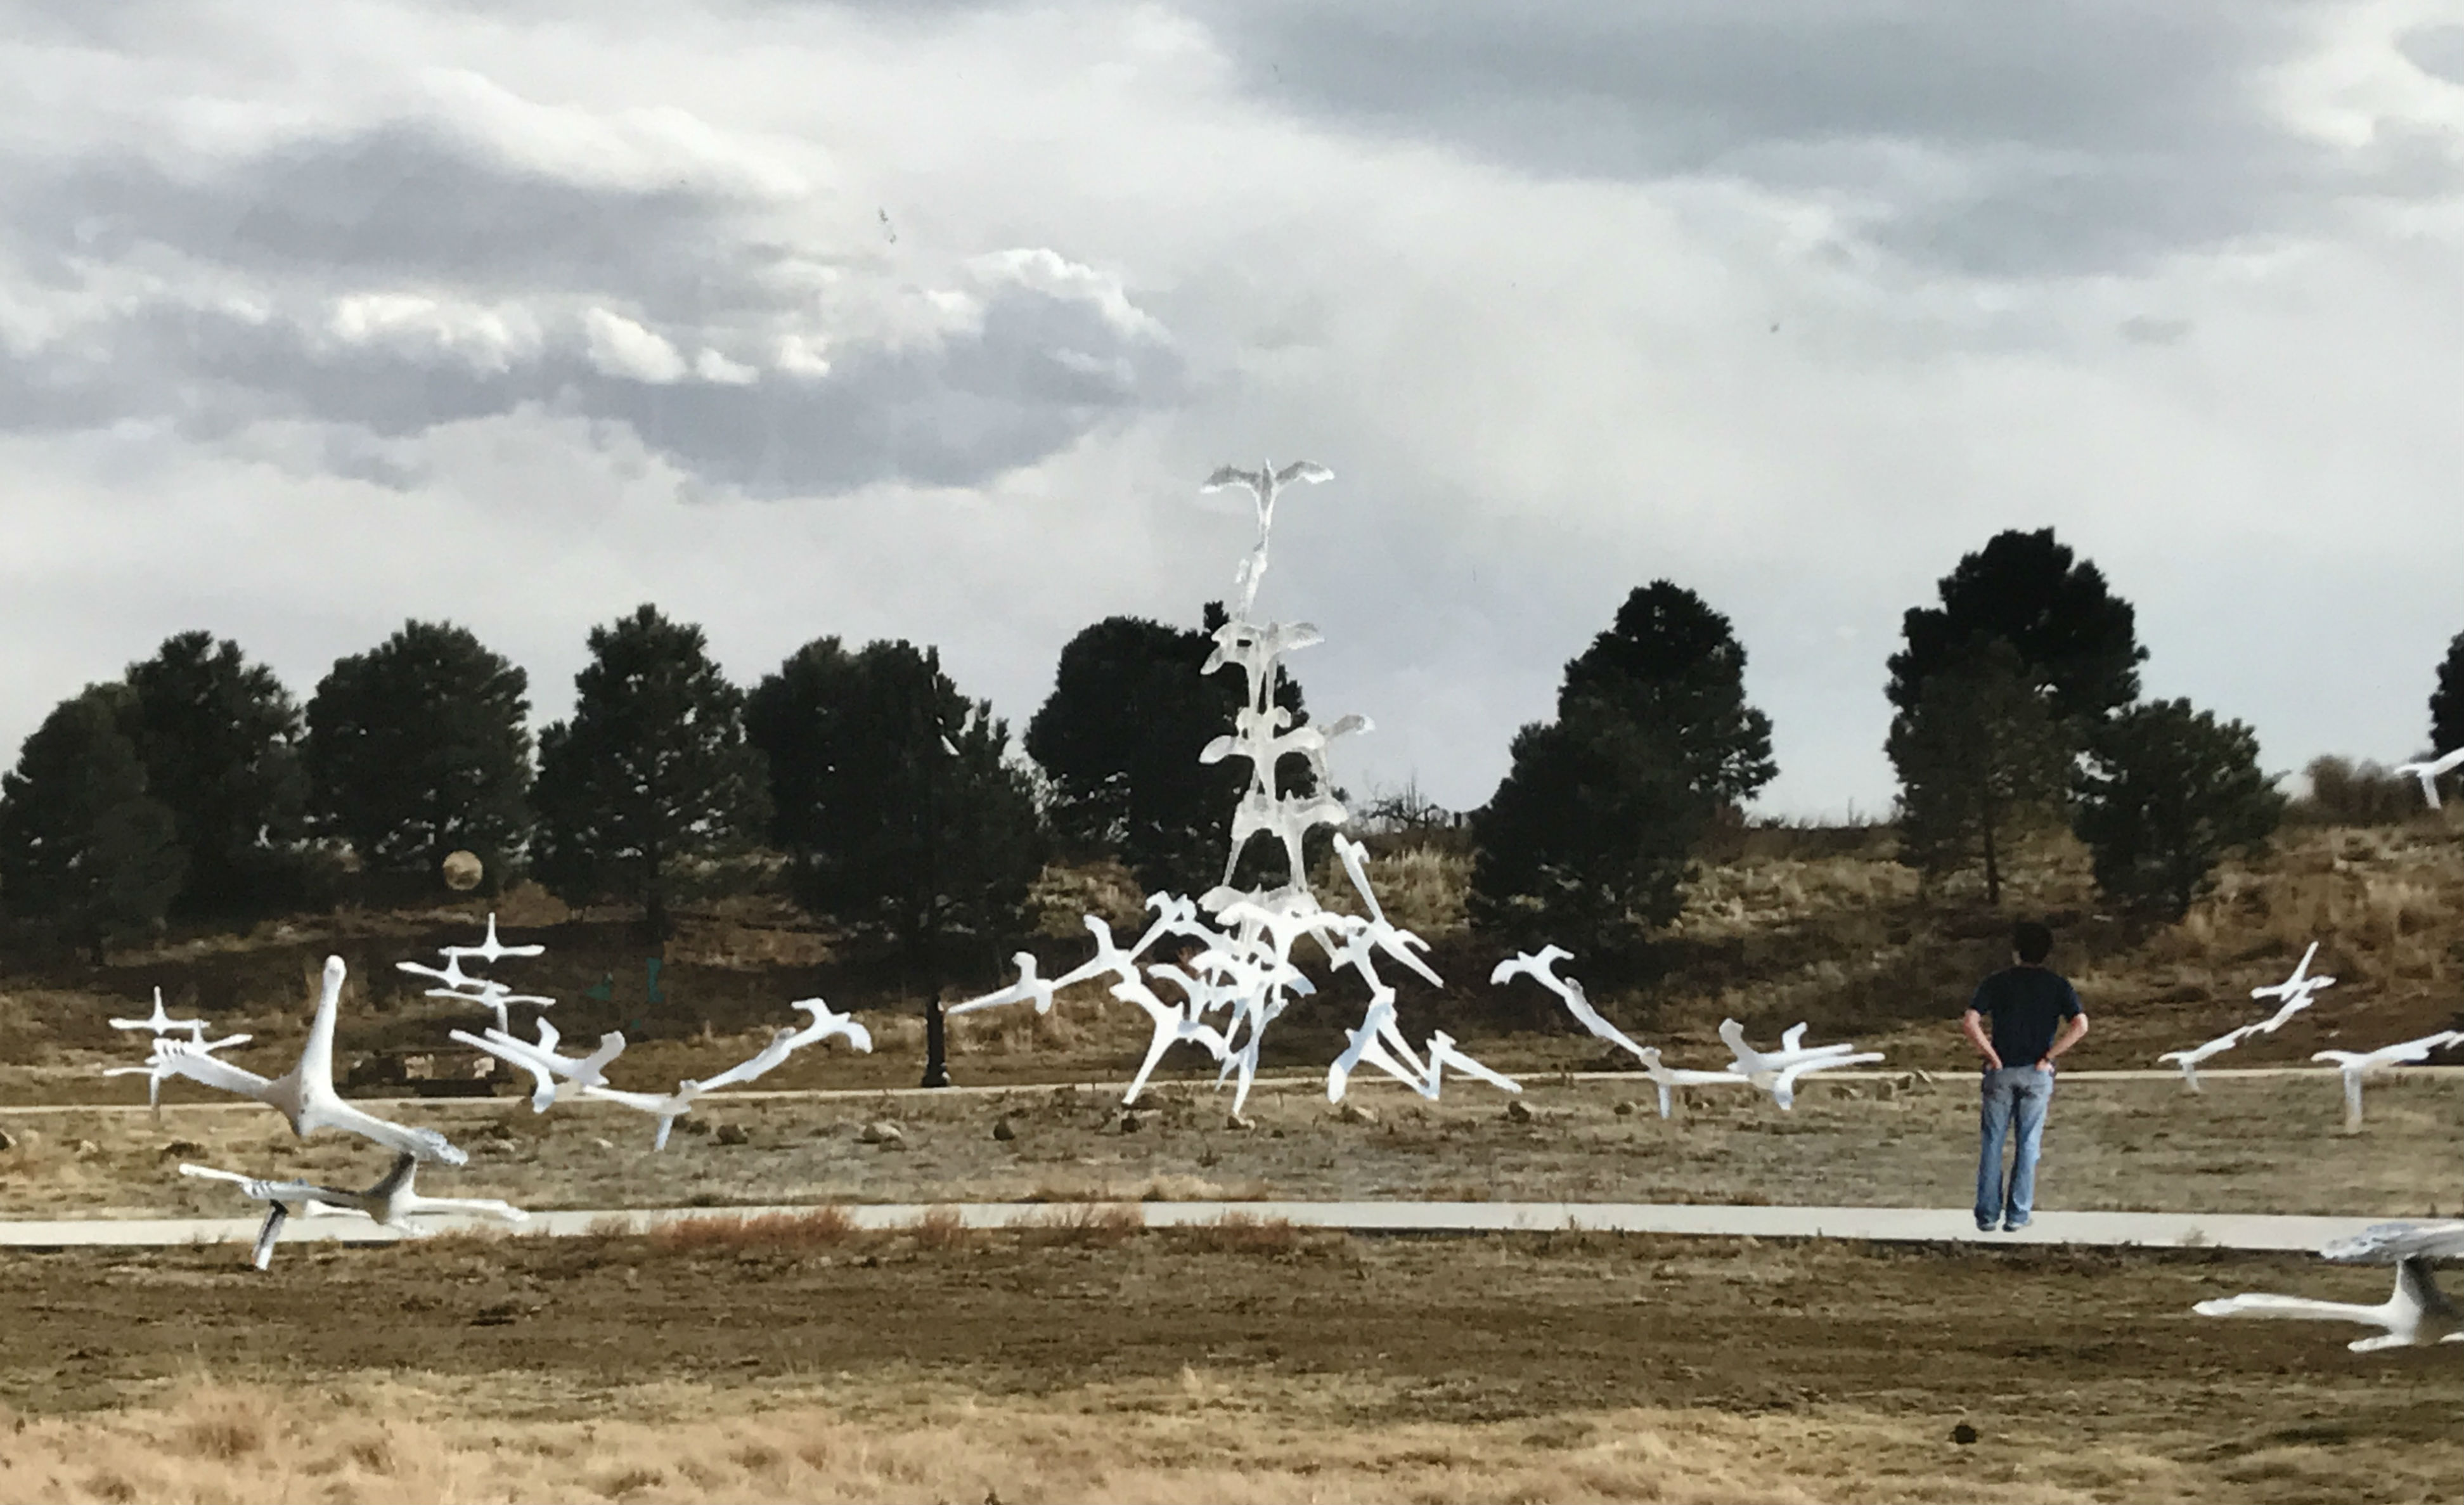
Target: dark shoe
1985,1228
2014,1227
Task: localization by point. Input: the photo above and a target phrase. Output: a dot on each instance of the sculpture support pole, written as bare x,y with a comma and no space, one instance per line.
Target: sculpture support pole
937,1055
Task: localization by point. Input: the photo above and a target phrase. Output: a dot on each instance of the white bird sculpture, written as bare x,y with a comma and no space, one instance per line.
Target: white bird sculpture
827,1023
496,996
2358,1066
2415,1315
2192,1059
1028,988
1670,1077
159,1021
1776,1071
2293,995
491,950
450,974
156,1072
392,1201
545,1066
2430,773
305,1094
664,1107
1541,966
1262,484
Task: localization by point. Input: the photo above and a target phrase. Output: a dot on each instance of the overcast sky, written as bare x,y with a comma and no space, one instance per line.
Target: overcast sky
923,321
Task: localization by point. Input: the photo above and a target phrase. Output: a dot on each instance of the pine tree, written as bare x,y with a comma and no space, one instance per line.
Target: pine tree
81,846
893,796
2446,701
2076,642
1671,661
219,738
1119,738
653,778
2167,793
1588,840
1980,758
418,747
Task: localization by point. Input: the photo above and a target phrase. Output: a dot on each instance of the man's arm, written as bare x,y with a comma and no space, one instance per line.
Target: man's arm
2073,1032
1973,1024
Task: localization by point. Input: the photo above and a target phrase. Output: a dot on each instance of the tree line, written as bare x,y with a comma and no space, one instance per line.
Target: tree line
864,783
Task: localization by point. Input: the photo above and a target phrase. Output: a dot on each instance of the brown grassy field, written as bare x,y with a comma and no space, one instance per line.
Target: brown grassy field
1265,1365
2250,1146
799,1359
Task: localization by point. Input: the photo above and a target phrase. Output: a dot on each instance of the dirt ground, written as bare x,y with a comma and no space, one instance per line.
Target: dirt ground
2242,1145
1217,1364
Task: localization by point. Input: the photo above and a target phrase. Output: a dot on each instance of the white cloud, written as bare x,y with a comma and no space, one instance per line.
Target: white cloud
490,339
800,355
712,367
640,150
621,348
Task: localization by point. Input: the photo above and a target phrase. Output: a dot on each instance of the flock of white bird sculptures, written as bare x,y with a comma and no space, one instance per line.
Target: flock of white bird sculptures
306,1098
2417,1314
1227,955
1774,1071
2292,995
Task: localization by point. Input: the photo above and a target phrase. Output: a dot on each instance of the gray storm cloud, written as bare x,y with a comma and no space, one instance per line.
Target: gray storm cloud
2081,138
425,270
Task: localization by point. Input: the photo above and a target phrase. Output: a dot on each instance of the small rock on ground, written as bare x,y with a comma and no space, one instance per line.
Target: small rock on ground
731,1134
1003,1131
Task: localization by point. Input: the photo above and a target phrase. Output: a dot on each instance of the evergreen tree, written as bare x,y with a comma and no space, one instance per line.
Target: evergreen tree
653,778
81,846
2446,701
1671,661
418,747
1119,738
2167,792
2076,642
1587,840
892,795
1980,757
219,739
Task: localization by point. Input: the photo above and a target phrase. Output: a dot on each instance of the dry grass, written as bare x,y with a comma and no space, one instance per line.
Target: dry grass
939,1229
1200,1437
1239,1234
1237,1440
1421,889
822,1227
1091,1225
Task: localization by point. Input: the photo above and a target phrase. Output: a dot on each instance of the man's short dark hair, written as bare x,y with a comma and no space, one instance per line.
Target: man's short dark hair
2033,942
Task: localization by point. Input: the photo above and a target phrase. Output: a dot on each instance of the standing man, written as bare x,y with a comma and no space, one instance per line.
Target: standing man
2030,1004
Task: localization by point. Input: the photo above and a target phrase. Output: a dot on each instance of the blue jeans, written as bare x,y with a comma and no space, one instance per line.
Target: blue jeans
2020,1093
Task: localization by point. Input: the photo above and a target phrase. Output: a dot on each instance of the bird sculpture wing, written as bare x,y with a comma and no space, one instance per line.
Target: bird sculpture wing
2299,1308
640,1102
194,1064
2396,1241
257,1188
515,1052
336,1114
1443,1053
1233,475
781,1042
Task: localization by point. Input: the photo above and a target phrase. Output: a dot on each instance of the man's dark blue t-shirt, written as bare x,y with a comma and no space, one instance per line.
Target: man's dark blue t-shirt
2025,1006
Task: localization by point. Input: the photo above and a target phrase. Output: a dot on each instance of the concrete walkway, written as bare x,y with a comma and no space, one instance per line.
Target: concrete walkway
1901,1225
